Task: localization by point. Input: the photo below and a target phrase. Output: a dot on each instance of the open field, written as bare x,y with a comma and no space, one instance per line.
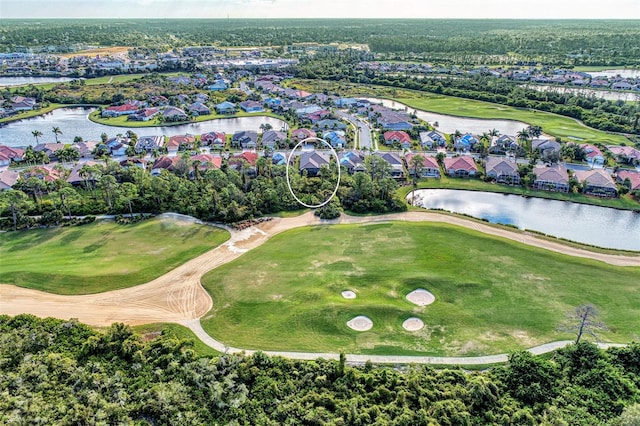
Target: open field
492,295
101,256
102,51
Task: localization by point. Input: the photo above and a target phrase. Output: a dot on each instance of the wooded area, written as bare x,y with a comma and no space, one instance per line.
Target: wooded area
63,372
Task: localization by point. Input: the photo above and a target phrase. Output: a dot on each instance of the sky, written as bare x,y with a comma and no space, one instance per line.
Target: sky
508,9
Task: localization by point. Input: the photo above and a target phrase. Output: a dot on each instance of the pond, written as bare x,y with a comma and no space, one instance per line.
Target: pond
451,123
625,73
593,225
17,81
610,95
75,122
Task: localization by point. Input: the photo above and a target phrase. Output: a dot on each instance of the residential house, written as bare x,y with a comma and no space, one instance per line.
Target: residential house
622,85
251,106
346,102
430,167
75,176
392,120
144,114
625,154
394,160
465,142
12,153
177,141
246,162
298,135
330,124
278,159
174,114
215,139
44,173
134,162
593,154
117,146
164,163
597,182
21,103
312,161
352,161
462,166
397,137
245,139
226,107
205,162
218,85
432,139
8,178
273,103
336,138
273,138
502,170
634,178
198,108
118,110
149,143
551,178
545,147
503,143
5,160
49,149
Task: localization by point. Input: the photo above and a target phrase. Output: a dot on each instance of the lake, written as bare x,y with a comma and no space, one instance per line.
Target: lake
451,123
610,95
593,225
75,122
17,81
625,73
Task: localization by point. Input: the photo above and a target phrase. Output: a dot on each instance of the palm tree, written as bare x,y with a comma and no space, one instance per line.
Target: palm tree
36,134
494,132
56,131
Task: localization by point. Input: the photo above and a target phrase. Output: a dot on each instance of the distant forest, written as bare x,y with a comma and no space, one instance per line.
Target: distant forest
567,42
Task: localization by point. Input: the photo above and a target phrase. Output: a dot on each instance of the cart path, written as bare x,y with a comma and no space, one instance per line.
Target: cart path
178,296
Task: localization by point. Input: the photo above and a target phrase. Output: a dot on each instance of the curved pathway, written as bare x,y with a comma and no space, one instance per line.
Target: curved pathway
178,296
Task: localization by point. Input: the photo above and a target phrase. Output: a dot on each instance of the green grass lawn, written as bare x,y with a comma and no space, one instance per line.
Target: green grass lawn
101,256
32,113
492,295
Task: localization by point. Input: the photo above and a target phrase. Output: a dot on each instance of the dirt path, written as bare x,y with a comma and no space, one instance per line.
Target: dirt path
177,296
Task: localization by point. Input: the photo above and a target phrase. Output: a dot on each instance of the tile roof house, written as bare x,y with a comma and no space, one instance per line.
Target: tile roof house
329,124
634,178
144,114
298,135
597,182
502,170
149,143
625,154
198,108
552,178
462,166
164,163
226,107
430,167
215,139
432,139
545,146
593,153
118,110
75,177
8,178
12,153
207,161
312,161
336,138
174,143
251,106
174,114
465,142
397,136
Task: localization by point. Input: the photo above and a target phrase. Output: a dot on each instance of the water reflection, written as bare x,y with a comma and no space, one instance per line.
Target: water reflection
598,226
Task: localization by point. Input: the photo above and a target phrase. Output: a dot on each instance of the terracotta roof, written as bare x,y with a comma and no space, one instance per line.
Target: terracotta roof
463,162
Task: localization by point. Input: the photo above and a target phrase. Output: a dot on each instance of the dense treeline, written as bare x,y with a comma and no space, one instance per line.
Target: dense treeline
602,114
568,42
227,194
63,372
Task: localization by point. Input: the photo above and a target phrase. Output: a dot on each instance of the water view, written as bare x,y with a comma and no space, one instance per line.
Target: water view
610,95
75,122
625,73
598,226
451,123
17,81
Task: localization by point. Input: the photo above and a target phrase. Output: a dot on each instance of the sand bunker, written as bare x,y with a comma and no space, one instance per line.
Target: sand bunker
413,324
360,323
348,294
421,297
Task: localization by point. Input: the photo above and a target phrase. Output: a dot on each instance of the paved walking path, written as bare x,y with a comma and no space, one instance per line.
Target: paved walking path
196,327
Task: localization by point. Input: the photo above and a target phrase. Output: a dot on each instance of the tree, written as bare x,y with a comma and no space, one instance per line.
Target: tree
534,131
583,320
15,200
129,191
265,126
36,134
104,137
56,131
417,166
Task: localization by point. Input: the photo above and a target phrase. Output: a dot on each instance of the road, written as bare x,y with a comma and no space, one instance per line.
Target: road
363,138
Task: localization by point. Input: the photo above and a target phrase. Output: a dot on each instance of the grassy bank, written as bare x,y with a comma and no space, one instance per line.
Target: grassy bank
123,122
492,295
102,256
32,113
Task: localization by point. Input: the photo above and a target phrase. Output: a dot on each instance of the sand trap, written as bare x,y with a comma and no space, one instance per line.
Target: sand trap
348,294
413,324
360,323
421,297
